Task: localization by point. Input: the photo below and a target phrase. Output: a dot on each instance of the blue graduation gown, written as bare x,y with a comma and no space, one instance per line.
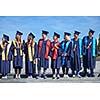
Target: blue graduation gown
30,67
89,55
66,49
18,59
6,64
55,63
76,55
42,61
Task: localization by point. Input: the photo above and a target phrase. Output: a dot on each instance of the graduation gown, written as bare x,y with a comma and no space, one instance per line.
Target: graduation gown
76,54
43,53
89,55
6,57
55,55
30,55
17,54
66,49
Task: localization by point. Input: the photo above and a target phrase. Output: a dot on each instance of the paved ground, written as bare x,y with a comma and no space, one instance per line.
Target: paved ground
50,80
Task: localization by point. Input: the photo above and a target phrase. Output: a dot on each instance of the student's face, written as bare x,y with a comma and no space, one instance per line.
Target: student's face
55,38
29,38
66,37
44,36
3,39
90,34
75,36
18,36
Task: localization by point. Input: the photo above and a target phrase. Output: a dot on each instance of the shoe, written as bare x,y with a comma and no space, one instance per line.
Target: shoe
36,77
66,76
19,76
58,76
92,75
16,76
70,71
39,75
99,75
54,76
44,76
5,77
79,75
30,77
74,76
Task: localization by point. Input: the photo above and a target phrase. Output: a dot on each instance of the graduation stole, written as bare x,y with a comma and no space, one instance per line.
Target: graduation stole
54,54
47,47
80,46
64,50
15,44
31,50
5,56
66,47
93,45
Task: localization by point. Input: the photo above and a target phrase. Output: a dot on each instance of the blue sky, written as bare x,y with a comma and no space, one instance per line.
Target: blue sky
10,24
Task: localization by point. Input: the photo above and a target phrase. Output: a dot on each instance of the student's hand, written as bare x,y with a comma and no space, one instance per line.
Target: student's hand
38,58
49,57
86,47
16,47
56,46
52,49
66,54
62,54
3,48
34,61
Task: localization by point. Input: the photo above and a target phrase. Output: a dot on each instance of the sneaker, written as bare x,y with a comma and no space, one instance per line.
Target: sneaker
36,77
30,77
5,77
58,76
79,75
16,76
70,71
19,76
74,76
66,76
92,75
44,76
54,76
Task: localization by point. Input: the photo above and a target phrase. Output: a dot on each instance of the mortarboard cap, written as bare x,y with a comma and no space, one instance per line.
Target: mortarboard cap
92,31
30,34
45,32
6,37
76,32
66,33
56,34
19,33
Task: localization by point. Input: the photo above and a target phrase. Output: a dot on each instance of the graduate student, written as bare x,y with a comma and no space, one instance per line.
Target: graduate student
55,55
66,54
17,48
6,55
89,53
76,54
43,53
30,50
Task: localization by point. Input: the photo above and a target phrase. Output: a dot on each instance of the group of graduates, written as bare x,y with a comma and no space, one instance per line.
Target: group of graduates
67,54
